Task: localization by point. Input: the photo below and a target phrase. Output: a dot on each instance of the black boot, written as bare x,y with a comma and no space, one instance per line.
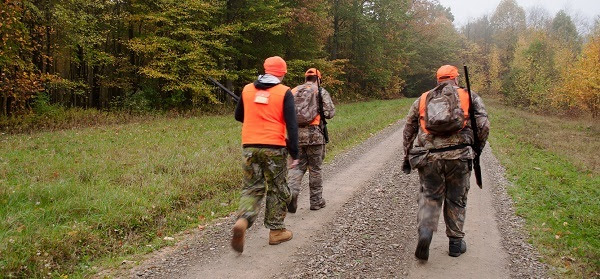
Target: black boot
422,251
318,205
293,205
457,247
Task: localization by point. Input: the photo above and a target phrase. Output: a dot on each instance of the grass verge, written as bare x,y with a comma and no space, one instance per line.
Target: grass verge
553,164
74,200
56,118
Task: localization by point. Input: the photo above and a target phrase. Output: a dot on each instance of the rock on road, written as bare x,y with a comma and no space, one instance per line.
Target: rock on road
367,230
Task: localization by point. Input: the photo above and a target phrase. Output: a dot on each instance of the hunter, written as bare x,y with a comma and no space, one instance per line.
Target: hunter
266,109
443,155
313,103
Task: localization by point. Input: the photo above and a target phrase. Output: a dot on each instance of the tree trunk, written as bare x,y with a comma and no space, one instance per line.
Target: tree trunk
4,104
4,100
4,94
48,50
95,88
132,60
336,31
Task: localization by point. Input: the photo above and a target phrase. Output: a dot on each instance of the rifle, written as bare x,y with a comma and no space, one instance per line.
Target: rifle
476,143
236,98
322,112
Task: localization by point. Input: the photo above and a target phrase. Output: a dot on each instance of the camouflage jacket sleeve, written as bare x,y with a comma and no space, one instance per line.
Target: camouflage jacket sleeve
328,107
481,117
411,128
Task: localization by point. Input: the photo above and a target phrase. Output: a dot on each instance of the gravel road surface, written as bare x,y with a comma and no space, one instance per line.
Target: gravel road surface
367,230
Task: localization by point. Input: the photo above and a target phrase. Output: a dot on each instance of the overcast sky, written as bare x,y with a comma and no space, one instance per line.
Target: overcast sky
463,10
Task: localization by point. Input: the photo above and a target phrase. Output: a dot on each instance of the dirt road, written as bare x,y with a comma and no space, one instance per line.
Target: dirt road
367,230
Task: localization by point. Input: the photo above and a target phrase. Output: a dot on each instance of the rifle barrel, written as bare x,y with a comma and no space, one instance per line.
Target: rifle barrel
476,143
235,97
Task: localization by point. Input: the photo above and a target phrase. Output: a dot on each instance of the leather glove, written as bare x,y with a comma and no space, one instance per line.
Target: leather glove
406,166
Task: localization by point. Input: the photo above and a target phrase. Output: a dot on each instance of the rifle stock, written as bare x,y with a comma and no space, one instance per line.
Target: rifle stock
476,143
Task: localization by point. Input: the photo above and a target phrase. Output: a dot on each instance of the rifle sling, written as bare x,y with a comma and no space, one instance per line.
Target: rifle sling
322,113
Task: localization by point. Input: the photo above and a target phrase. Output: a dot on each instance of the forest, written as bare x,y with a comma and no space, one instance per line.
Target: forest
157,55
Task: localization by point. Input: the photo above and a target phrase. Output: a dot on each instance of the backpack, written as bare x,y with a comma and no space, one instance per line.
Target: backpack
443,110
305,99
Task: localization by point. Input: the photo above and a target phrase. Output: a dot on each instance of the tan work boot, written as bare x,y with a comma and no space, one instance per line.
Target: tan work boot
239,232
279,236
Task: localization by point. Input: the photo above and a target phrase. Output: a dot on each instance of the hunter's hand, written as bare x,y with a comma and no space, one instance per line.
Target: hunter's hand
406,166
294,164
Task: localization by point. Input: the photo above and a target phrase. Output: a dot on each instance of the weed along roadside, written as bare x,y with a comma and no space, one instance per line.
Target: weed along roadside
553,164
75,201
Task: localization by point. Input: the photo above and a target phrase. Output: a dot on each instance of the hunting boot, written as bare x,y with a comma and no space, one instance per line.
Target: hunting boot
457,247
318,205
293,205
279,236
422,251
239,232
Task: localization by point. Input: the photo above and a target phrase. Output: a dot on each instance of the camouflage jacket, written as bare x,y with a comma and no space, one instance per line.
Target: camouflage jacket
313,134
412,130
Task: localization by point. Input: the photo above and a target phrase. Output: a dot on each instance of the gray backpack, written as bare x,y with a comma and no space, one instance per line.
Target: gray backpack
443,112
307,107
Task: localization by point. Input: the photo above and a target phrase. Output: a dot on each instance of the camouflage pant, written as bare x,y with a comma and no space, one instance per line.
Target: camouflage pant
265,170
311,158
444,181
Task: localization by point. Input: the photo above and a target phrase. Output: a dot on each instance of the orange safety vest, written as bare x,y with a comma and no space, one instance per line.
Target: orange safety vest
463,96
317,120
264,122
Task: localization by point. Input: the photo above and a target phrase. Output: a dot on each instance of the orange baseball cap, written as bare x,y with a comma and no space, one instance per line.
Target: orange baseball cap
312,72
447,72
276,66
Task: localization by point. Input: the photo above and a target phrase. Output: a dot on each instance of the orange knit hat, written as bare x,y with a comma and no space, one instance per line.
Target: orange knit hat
447,72
276,66
312,72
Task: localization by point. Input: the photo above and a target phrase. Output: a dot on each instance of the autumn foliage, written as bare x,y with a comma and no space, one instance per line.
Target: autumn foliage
534,60
19,78
582,82
157,55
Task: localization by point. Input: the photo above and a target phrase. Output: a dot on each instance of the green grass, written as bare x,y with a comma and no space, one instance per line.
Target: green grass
77,200
553,164
354,123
